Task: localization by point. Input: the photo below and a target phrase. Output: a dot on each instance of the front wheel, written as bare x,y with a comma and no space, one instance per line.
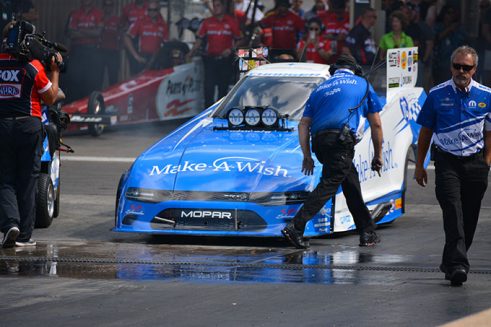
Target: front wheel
96,106
45,202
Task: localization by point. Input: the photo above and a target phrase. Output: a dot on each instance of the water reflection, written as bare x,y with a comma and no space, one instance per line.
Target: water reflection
192,263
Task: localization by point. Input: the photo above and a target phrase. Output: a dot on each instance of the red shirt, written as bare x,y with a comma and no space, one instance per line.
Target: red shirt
285,29
111,34
312,53
20,87
81,19
131,12
219,34
335,24
151,34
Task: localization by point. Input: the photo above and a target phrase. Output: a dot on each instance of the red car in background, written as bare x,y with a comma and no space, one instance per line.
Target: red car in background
153,95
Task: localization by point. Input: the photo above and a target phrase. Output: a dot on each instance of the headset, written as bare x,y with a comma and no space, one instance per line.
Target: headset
356,68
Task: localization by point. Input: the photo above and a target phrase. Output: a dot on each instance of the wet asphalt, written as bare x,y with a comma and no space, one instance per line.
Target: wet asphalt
81,273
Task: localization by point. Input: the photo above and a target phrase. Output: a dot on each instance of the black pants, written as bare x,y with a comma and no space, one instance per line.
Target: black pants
111,60
218,73
20,161
84,72
460,187
337,169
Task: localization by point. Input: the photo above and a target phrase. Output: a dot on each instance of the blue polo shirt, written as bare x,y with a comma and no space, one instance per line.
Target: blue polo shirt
328,105
458,119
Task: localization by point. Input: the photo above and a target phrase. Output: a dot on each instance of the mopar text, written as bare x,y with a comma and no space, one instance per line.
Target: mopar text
206,214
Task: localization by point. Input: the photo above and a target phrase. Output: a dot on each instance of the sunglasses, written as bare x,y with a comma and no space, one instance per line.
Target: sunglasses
313,29
465,68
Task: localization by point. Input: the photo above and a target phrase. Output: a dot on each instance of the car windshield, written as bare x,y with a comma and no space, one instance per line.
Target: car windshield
286,94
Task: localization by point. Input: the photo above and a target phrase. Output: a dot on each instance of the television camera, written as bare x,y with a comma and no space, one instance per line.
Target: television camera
23,42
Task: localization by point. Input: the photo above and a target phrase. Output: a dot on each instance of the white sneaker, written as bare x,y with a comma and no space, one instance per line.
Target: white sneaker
31,242
10,237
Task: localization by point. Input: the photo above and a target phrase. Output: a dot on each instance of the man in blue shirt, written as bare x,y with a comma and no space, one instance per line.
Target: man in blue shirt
457,116
332,117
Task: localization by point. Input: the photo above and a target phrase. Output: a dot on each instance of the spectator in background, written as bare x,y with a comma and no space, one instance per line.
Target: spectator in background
219,33
297,7
422,36
152,31
434,11
134,11
336,24
360,41
449,35
84,30
314,47
396,38
285,27
110,40
318,8
389,7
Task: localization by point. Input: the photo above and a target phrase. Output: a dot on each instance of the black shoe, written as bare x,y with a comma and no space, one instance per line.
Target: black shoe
456,276
10,237
295,236
369,239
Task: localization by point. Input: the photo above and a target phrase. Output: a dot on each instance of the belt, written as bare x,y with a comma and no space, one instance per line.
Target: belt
327,131
453,156
15,118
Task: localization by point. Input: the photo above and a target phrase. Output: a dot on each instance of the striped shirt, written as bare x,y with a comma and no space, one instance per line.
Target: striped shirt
458,119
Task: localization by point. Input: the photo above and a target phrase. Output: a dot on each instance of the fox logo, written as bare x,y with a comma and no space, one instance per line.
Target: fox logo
9,75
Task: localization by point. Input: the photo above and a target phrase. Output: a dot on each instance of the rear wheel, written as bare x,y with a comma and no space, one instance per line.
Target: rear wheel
45,202
96,107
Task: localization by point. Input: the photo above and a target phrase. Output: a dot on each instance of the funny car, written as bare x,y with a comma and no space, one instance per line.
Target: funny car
235,169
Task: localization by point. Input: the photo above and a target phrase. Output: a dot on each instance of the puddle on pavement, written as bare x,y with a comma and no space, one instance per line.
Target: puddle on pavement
337,265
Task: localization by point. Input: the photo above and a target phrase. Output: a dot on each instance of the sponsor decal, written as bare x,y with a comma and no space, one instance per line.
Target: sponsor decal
403,60
392,58
286,213
394,82
472,104
206,214
135,209
409,62
226,165
10,91
362,162
9,75
482,105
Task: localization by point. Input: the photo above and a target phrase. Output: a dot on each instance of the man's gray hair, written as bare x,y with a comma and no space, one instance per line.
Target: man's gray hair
465,49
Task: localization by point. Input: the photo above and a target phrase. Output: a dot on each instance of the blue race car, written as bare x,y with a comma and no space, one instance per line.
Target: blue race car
235,169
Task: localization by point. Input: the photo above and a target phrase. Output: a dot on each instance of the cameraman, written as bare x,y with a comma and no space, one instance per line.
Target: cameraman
23,84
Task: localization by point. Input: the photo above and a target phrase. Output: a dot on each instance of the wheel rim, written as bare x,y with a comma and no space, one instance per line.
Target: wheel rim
98,127
50,200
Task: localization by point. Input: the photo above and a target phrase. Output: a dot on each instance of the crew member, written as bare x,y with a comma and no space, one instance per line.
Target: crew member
84,29
152,31
110,40
332,116
360,40
24,84
286,26
457,115
336,22
219,32
134,11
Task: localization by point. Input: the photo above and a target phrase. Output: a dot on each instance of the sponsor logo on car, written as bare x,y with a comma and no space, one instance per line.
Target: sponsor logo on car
206,214
227,164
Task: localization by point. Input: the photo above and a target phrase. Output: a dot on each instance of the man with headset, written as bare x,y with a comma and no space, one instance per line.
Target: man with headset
332,116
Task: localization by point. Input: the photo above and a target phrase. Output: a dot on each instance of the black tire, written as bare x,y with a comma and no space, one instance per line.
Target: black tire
56,211
96,106
404,183
45,202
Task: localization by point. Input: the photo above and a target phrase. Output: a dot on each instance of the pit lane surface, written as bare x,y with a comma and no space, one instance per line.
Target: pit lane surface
82,273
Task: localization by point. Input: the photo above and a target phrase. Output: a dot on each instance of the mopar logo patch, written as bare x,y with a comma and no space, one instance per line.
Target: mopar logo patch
9,75
206,214
9,91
